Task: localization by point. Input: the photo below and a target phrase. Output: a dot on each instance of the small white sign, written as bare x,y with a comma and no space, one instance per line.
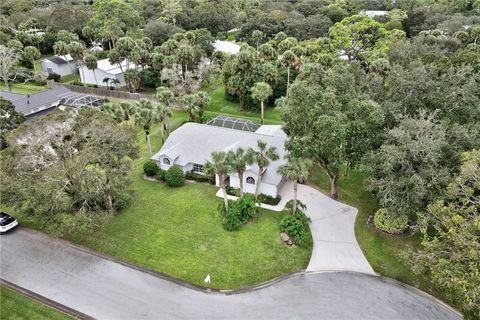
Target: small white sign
208,279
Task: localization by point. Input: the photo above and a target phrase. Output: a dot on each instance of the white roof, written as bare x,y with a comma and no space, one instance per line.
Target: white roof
194,143
105,66
374,13
226,46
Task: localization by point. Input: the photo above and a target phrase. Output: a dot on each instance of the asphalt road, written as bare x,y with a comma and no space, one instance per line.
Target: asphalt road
105,289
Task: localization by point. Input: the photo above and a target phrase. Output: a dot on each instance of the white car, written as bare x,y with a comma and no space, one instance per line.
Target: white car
7,222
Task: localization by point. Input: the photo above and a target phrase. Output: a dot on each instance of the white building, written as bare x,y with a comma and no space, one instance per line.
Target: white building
226,46
62,65
190,147
106,70
374,13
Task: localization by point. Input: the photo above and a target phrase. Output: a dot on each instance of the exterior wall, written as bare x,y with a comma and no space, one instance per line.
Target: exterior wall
268,189
61,69
161,165
87,76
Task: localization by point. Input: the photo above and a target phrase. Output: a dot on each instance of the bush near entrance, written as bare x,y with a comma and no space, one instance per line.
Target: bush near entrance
174,177
150,168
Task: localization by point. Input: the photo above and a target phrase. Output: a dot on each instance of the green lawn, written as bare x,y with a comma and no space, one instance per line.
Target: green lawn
383,253
14,305
24,88
219,106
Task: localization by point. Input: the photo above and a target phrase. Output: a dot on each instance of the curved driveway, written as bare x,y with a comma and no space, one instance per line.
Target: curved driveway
335,247
105,289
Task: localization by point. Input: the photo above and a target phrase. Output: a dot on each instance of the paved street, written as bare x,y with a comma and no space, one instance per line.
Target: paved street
107,290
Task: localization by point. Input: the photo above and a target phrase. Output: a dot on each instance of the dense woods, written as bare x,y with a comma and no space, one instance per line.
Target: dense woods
395,95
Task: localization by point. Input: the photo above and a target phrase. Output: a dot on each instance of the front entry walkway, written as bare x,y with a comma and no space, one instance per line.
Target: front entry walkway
335,246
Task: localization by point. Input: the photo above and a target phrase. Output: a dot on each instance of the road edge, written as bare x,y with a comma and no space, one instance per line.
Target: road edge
43,300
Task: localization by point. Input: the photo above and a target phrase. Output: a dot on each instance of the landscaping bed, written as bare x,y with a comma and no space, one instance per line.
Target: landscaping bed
263,198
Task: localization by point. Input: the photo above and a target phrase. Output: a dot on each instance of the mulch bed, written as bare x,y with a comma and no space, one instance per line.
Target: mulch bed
407,233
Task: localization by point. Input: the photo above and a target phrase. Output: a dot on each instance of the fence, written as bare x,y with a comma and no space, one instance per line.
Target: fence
103,92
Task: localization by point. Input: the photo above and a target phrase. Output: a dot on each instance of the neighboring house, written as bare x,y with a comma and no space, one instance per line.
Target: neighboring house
40,103
374,13
36,31
190,147
62,65
106,70
226,46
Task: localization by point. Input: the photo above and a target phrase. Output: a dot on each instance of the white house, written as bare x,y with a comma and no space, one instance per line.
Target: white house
226,46
190,147
106,70
374,13
62,65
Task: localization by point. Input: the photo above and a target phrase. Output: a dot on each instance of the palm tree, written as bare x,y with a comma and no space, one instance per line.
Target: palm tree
239,160
191,107
127,109
115,82
61,48
287,59
114,110
91,64
77,51
261,91
145,115
165,96
295,169
164,114
220,165
262,158
185,56
31,54
106,80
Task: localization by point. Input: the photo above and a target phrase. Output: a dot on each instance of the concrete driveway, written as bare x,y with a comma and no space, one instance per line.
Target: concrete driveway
335,247
105,289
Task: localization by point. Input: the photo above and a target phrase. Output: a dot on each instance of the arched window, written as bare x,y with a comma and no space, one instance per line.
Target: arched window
166,161
250,180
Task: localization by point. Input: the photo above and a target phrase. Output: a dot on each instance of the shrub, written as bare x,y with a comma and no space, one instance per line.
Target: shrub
239,212
231,219
246,207
40,79
76,82
296,226
232,191
150,168
386,221
149,79
174,177
263,198
300,206
197,177
160,176
53,76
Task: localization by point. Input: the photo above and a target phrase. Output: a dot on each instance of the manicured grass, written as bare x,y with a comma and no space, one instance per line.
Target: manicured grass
69,78
14,305
179,232
24,88
219,106
383,253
